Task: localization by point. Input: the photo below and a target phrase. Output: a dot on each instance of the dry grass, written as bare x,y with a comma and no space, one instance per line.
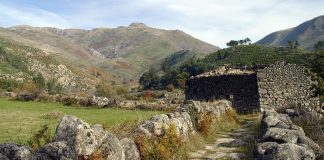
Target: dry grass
162,147
311,122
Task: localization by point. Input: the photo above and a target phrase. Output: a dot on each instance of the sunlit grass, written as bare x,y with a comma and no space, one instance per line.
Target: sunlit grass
19,120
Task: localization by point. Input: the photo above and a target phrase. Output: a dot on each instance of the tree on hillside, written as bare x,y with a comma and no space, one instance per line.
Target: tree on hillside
241,42
292,44
319,46
247,40
232,43
150,79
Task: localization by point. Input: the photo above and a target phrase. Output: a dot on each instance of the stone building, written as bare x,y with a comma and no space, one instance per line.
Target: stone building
277,85
238,86
283,85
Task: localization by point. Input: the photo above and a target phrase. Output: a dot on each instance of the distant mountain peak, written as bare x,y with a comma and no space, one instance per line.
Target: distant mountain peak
307,34
138,25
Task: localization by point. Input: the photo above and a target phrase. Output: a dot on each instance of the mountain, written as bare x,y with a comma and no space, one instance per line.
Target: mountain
126,52
307,34
21,64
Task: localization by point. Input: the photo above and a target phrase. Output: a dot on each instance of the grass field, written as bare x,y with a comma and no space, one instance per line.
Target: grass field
19,120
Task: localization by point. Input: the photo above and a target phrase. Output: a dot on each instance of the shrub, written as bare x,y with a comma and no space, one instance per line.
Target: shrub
170,87
40,138
44,98
158,94
68,101
104,90
54,88
312,124
84,102
29,91
147,94
8,85
39,80
181,83
121,90
205,123
29,87
162,147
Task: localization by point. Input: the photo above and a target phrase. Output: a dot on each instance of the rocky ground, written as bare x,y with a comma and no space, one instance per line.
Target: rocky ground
227,145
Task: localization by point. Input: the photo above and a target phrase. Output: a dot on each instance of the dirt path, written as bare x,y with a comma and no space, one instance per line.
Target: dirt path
228,145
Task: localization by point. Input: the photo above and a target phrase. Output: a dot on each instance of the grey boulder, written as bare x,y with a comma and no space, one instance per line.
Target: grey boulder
130,148
15,152
55,150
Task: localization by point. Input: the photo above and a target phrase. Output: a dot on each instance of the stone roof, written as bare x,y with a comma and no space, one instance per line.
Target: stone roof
224,70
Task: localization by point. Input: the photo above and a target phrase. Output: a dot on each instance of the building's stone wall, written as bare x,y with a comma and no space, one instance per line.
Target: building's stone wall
283,85
241,90
280,85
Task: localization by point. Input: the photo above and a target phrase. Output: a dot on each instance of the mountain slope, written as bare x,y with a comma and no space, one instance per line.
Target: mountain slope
19,64
307,34
126,52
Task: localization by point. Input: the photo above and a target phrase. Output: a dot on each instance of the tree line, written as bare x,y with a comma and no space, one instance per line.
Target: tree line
233,43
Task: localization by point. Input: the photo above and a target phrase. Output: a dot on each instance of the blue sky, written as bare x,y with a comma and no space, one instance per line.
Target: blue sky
213,21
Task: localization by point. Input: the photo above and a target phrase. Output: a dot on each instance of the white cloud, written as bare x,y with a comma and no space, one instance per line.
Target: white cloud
32,16
214,21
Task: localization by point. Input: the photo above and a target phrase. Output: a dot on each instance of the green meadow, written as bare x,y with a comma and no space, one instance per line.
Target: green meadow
20,120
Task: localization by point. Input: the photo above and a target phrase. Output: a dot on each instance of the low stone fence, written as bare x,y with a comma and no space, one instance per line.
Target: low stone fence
76,139
281,139
185,118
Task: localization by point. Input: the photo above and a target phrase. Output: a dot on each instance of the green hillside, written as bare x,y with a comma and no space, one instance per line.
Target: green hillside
243,55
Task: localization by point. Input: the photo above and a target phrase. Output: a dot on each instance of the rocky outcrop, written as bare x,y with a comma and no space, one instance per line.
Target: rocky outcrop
281,139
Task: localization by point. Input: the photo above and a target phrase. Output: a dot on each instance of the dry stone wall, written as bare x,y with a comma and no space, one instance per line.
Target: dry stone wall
283,85
281,139
75,139
279,85
240,89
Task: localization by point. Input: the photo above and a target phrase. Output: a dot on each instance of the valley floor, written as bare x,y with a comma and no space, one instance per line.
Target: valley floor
20,120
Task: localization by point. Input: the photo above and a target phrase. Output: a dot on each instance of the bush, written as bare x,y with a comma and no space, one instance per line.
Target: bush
39,80
121,90
44,98
170,87
29,91
68,101
8,85
40,138
312,124
158,94
54,88
205,123
29,87
147,94
162,147
84,102
104,90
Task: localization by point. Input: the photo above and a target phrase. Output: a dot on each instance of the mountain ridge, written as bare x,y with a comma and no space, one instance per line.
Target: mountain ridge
307,34
137,45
